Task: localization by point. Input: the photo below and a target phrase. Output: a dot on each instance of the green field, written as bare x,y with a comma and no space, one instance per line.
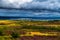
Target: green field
19,29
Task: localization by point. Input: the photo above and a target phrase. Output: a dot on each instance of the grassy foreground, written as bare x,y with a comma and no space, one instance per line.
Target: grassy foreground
29,30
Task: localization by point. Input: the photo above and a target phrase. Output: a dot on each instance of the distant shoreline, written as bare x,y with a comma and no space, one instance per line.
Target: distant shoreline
28,18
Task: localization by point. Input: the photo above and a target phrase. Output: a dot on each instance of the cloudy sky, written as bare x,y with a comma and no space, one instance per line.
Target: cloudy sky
51,5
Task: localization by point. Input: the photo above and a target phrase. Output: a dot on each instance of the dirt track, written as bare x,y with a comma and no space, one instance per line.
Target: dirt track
40,38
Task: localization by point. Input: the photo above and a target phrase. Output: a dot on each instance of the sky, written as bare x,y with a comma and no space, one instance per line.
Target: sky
52,4
52,7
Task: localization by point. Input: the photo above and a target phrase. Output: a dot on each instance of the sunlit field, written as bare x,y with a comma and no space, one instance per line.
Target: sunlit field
29,30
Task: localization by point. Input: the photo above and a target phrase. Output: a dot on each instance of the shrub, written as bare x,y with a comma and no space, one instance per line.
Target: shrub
14,35
1,32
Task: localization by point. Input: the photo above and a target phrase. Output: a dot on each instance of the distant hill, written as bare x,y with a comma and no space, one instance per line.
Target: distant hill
40,18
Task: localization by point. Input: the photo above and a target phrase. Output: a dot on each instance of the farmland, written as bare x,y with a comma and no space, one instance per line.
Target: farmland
29,30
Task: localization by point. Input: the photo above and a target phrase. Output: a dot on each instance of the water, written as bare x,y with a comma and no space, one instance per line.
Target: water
29,14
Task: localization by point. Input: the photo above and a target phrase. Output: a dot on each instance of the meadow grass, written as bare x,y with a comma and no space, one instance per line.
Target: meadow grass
8,28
